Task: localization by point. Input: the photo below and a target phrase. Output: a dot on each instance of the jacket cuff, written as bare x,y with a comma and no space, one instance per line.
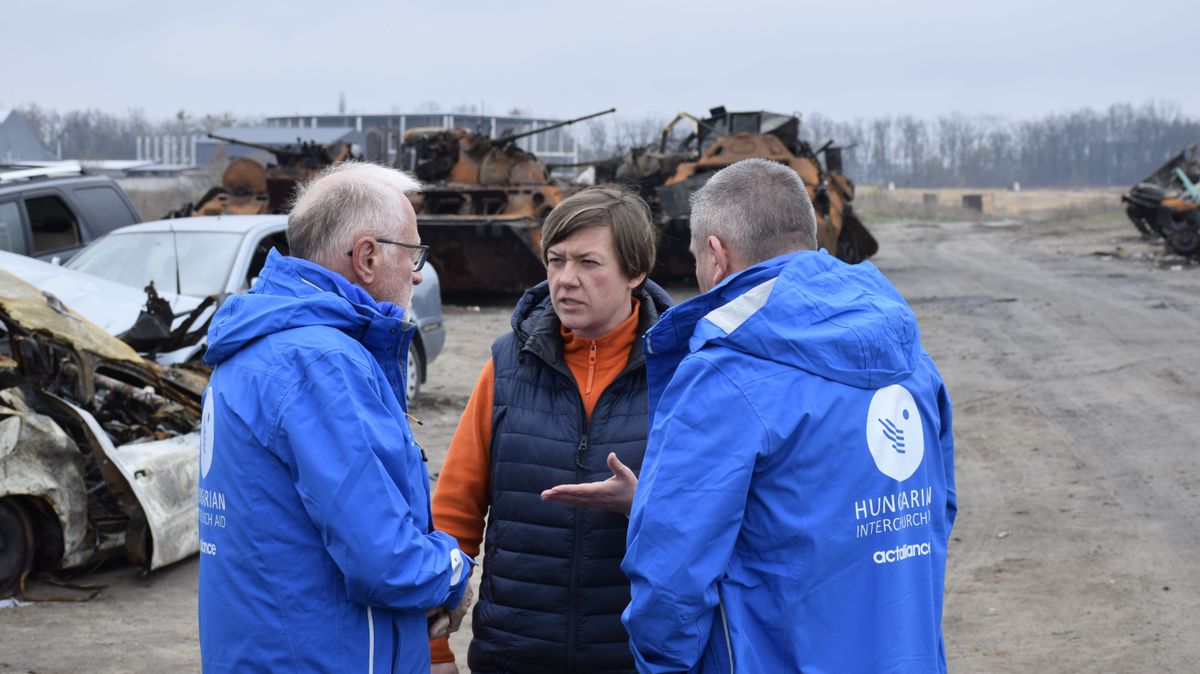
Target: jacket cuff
460,577
439,650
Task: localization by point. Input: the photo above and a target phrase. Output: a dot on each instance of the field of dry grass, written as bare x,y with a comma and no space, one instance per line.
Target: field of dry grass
155,196
878,204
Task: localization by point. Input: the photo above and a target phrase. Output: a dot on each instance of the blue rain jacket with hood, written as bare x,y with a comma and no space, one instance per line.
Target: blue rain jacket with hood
317,548
797,493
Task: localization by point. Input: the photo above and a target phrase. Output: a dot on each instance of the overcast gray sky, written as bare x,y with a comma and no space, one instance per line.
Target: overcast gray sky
1022,58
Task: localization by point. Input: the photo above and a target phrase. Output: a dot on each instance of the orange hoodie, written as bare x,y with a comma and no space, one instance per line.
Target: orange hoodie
462,496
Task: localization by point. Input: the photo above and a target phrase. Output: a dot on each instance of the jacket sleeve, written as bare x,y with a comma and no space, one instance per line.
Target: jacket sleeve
462,497
687,512
343,437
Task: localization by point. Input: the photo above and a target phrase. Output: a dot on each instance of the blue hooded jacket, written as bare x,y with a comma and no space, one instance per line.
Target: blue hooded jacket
317,549
797,493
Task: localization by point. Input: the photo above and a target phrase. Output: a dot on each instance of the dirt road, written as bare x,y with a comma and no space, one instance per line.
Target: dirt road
1075,378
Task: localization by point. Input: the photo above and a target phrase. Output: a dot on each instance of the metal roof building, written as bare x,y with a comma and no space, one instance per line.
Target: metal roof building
17,142
556,146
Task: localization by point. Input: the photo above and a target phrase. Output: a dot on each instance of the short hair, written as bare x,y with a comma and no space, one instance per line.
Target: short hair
622,211
757,207
345,201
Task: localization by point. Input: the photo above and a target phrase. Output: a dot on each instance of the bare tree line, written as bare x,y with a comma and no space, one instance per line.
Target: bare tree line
95,134
1083,148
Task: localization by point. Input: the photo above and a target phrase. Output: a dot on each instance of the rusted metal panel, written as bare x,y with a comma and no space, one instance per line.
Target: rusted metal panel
482,206
723,139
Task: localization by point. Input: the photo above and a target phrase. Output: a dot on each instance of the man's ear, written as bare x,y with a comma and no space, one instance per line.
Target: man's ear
722,259
364,261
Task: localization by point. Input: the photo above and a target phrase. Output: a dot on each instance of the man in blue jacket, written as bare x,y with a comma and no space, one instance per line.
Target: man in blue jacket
798,488
317,548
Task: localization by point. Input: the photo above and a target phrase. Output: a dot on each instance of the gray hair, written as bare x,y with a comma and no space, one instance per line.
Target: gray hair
758,208
346,201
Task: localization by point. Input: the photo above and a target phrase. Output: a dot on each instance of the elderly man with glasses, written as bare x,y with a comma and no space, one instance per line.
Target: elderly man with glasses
318,549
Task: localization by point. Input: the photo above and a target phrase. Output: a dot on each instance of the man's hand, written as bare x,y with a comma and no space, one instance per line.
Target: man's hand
456,616
443,668
438,620
443,622
614,494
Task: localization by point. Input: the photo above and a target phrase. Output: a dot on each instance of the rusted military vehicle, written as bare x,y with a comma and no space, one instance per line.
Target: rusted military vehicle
1167,203
482,205
249,188
667,178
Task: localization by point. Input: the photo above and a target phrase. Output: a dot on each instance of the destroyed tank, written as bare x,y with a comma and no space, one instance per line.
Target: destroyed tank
249,188
667,180
482,205
1167,203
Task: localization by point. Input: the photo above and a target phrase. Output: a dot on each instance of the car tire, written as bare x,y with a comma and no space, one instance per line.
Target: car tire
16,547
416,365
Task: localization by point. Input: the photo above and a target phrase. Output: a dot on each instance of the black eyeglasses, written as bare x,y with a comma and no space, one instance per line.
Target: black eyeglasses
420,252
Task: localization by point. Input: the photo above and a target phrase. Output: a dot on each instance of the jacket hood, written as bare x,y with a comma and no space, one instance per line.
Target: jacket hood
805,309
536,325
293,293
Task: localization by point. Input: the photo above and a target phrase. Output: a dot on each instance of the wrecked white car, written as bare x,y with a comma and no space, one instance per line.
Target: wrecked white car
98,446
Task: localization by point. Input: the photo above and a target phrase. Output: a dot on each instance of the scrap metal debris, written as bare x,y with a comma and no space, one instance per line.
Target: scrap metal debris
1167,203
667,178
482,205
98,445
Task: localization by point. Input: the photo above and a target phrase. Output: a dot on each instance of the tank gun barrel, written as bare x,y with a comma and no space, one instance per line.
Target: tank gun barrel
504,140
234,141
288,154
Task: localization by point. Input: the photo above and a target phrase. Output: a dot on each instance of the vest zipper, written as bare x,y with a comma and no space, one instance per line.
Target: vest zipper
573,621
580,452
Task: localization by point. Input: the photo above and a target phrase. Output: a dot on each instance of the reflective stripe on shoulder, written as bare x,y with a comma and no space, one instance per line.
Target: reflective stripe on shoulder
307,282
370,641
730,317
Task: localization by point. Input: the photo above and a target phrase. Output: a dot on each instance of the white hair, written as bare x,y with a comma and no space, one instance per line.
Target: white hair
756,207
346,201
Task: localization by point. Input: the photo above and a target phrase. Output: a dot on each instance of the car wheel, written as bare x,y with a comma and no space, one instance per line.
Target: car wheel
416,363
16,547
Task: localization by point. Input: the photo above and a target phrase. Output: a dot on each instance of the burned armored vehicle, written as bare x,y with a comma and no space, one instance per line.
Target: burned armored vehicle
667,178
482,205
249,188
98,446
1167,203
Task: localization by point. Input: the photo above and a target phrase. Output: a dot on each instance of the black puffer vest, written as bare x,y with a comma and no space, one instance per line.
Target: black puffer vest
552,591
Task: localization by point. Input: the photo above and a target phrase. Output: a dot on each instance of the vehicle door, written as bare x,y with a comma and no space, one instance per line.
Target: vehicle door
104,208
54,230
14,227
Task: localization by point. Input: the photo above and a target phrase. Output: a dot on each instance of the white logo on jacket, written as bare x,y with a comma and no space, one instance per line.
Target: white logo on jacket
206,433
895,434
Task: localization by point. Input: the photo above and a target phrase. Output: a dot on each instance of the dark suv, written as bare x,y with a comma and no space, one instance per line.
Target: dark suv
49,217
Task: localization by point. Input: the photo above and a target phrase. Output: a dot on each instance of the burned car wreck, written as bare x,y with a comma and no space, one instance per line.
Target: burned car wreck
98,446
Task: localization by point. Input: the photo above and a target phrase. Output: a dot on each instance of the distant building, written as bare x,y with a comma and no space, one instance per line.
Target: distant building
556,146
17,141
